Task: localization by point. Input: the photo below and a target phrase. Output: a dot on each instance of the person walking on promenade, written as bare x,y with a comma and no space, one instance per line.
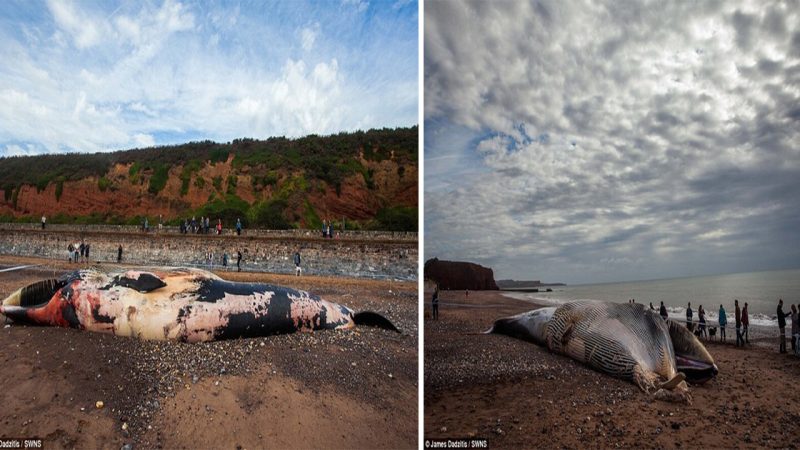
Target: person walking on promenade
745,325
723,320
435,303
738,317
238,227
330,230
663,311
225,260
160,223
782,326
44,220
208,224
219,226
689,316
324,228
87,252
70,251
119,254
82,250
297,269
238,260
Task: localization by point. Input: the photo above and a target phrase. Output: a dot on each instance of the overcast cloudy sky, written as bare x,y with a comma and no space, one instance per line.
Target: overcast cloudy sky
607,141
103,75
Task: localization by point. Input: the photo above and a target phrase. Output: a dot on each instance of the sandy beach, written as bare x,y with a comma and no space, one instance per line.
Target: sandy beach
323,390
517,394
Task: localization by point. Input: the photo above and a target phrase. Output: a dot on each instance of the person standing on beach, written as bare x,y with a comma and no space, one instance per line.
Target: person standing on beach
745,325
738,316
44,220
70,251
435,303
119,254
238,260
723,320
795,330
663,311
701,316
689,316
238,227
324,228
87,253
782,326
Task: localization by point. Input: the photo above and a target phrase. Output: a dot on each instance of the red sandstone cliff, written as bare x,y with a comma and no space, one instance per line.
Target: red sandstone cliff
459,275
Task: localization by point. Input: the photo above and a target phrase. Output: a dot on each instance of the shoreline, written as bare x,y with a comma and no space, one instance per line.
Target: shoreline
517,394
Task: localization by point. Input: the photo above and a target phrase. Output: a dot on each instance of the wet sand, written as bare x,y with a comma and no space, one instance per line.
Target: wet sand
517,394
331,389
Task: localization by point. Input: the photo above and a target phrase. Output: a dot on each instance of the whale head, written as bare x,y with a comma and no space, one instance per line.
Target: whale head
29,298
691,357
530,325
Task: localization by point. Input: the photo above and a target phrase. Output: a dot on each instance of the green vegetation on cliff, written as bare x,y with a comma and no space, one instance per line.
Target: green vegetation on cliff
283,174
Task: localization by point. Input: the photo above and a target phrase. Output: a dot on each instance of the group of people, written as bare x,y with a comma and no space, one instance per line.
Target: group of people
78,253
327,229
203,226
742,323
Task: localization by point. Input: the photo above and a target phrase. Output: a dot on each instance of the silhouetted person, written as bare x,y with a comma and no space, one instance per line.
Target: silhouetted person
663,311
119,254
689,316
782,326
44,220
651,307
238,260
745,324
795,330
738,316
435,303
701,317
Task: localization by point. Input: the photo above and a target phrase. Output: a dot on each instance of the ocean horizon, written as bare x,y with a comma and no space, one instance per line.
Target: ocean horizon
761,290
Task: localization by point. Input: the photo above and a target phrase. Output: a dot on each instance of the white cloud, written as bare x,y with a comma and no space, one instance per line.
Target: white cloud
359,5
100,77
85,30
141,140
308,35
613,131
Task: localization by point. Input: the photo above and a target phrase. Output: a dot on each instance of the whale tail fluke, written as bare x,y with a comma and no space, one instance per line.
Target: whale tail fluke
372,319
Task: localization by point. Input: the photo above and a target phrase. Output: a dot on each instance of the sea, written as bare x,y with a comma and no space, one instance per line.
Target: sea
761,290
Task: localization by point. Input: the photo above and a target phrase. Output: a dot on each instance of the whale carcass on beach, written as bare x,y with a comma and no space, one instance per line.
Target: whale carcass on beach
621,339
189,305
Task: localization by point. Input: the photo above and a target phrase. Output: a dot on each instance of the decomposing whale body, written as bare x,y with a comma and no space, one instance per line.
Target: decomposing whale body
621,339
189,305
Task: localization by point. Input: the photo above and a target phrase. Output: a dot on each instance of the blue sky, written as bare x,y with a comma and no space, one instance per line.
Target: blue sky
100,76
592,141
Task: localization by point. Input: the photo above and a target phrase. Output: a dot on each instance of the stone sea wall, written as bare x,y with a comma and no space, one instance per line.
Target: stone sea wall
352,254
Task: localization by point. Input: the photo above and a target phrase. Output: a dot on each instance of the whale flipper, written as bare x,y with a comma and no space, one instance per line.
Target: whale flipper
143,282
372,319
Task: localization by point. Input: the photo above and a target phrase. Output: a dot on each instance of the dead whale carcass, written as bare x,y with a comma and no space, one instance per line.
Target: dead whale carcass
624,340
181,304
